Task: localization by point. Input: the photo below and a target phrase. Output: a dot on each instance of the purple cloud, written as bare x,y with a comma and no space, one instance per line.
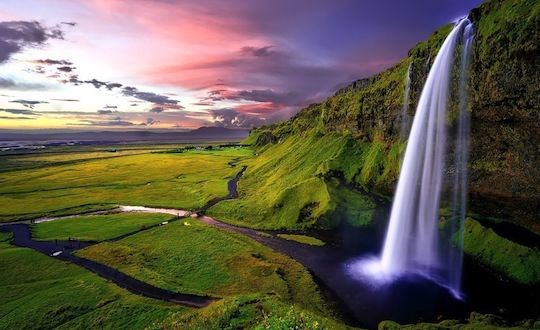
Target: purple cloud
17,35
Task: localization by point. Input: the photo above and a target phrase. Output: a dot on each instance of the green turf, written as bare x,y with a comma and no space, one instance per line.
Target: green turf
187,180
518,262
64,156
189,256
39,292
96,227
304,239
252,312
291,185
476,321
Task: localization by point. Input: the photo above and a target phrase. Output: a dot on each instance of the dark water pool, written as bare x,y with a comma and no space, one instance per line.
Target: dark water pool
411,298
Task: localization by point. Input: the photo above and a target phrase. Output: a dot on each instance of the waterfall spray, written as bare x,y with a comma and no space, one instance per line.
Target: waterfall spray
412,242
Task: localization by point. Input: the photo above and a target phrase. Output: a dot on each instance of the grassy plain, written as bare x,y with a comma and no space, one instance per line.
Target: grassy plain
39,292
183,180
280,189
259,288
189,256
63,155
96,227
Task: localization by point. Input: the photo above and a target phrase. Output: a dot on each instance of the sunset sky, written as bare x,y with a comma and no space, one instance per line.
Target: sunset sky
146,64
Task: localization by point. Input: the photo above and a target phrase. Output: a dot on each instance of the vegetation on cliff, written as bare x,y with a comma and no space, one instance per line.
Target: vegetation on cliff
354,135
518,261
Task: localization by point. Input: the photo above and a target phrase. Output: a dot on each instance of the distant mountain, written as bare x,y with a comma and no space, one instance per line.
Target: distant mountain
199,134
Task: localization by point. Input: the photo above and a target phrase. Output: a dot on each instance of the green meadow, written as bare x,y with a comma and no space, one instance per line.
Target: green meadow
189,256
89,182
96,227
258,288
39,292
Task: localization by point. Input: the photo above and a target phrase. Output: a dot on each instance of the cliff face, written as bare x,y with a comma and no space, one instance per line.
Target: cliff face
505,104
505,112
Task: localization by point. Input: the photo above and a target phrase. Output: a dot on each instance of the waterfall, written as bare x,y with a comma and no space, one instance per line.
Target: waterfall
405,118
412,243
459,187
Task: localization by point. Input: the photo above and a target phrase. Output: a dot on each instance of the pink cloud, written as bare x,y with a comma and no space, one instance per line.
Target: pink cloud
265,108
267,58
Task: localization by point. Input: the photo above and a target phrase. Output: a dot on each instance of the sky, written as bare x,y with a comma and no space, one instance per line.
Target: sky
165,64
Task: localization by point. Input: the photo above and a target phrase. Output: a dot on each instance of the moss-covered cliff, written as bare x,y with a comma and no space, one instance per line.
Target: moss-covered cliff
355,133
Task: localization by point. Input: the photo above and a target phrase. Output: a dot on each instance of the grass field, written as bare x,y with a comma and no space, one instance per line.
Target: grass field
63,155
181,180
280,189
96,227
39,292
259,288
189,256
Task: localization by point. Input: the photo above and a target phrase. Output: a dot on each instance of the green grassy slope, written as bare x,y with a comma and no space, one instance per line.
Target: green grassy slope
96,227
251,312
476,321
519,262
291,184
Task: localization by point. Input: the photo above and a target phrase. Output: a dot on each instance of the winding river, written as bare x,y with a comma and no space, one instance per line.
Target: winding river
407,300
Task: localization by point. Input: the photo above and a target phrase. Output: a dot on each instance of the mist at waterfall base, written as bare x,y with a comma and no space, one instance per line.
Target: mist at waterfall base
417,243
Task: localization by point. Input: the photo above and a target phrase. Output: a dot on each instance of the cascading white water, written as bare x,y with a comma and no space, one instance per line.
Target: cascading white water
459,187
412,238
405,120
